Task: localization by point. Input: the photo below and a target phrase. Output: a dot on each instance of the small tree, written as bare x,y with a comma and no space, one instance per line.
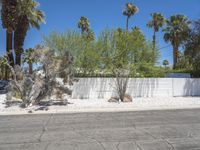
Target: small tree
122,77
119,60
165,63
29,59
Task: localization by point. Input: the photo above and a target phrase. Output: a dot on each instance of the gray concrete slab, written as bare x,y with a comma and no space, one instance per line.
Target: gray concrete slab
144,130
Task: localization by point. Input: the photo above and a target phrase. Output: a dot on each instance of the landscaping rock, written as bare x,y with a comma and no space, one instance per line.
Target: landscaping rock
127,98
113,100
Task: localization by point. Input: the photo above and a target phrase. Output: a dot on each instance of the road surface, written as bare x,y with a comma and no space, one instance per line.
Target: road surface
144,130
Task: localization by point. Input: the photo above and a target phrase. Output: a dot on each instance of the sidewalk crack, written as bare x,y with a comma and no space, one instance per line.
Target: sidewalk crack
44,128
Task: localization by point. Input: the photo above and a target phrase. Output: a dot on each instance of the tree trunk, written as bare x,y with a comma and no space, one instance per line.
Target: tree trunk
154,41
154,44
9,39
175,56
30,68
127,19
18,53
9,46
19,38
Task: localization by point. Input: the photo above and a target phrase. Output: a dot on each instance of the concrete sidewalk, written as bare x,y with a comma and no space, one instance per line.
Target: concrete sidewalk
102,105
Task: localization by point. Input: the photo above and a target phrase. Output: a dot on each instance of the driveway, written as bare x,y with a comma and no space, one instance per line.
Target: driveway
144,130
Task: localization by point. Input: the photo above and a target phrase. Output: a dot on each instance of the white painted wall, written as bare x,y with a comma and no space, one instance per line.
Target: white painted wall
137,87
186,87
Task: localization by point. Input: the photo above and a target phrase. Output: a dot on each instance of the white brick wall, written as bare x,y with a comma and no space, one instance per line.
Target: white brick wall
137,87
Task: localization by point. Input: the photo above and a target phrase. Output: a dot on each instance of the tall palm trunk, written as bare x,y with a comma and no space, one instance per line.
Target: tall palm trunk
9,37
19,37
154,44
18,53
9,46
127,19
154,41
175,56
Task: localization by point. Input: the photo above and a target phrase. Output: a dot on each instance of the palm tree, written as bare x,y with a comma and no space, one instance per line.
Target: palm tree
176,32
9,17
29,16
165,63
156,23
29,59
84,25
129,11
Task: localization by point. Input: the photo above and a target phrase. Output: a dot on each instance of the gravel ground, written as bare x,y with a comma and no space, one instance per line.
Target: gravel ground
101,105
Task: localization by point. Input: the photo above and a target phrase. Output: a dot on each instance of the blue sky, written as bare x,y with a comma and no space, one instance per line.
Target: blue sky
64,14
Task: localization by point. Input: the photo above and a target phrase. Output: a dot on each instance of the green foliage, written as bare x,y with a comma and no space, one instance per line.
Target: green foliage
176,32
147,70
28,9
130,10
113,49
157,21
69,40
87,61
84,24
192,49
28,56
177,29
2,67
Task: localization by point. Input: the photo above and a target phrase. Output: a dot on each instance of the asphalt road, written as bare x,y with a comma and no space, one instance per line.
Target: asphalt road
145,130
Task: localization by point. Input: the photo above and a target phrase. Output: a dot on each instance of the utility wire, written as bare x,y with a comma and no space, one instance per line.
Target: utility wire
164,47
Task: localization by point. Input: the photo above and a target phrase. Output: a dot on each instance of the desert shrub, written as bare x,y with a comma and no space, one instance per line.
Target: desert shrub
42,84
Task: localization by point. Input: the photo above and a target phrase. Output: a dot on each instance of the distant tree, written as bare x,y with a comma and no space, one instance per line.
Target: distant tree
84,25
86,32
29,59
165,63
129,11
156,23
176,32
